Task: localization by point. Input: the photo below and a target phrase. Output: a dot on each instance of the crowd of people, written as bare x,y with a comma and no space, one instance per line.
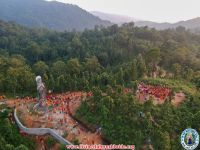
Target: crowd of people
61,104
61,108
127,90
159,93
2,97
61,101
59,115
56,104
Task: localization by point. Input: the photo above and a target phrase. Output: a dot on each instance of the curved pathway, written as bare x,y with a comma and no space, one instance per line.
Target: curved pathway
40,131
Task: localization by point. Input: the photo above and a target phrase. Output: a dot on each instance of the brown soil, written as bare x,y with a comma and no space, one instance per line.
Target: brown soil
57,119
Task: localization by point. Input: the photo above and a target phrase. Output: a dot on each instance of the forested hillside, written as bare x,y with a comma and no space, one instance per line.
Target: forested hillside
192,24
45,14
104,61
10,138
100,53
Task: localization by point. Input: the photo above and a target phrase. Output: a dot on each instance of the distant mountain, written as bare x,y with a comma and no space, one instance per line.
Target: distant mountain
150,24
53,15
118,19
189,24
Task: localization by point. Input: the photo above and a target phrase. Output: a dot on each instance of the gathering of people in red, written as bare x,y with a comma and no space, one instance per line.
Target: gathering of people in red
2,97
59,115
60,102
159,93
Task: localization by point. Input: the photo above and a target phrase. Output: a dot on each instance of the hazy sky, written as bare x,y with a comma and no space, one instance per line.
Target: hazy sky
154,10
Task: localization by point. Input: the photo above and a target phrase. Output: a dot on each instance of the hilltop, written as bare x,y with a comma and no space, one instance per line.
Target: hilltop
52,15
188,24
120,19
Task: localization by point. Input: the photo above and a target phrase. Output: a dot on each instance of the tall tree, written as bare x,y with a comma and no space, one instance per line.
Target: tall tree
58,68
152,58
141,67
92,64
40,68
73,66
134,72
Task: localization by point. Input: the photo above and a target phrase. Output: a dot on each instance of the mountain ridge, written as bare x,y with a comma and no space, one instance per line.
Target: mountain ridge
48,14
189,24
114,18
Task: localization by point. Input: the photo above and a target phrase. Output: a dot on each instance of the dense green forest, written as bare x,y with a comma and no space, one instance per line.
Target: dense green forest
100,57
10,139
124,120
105,60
